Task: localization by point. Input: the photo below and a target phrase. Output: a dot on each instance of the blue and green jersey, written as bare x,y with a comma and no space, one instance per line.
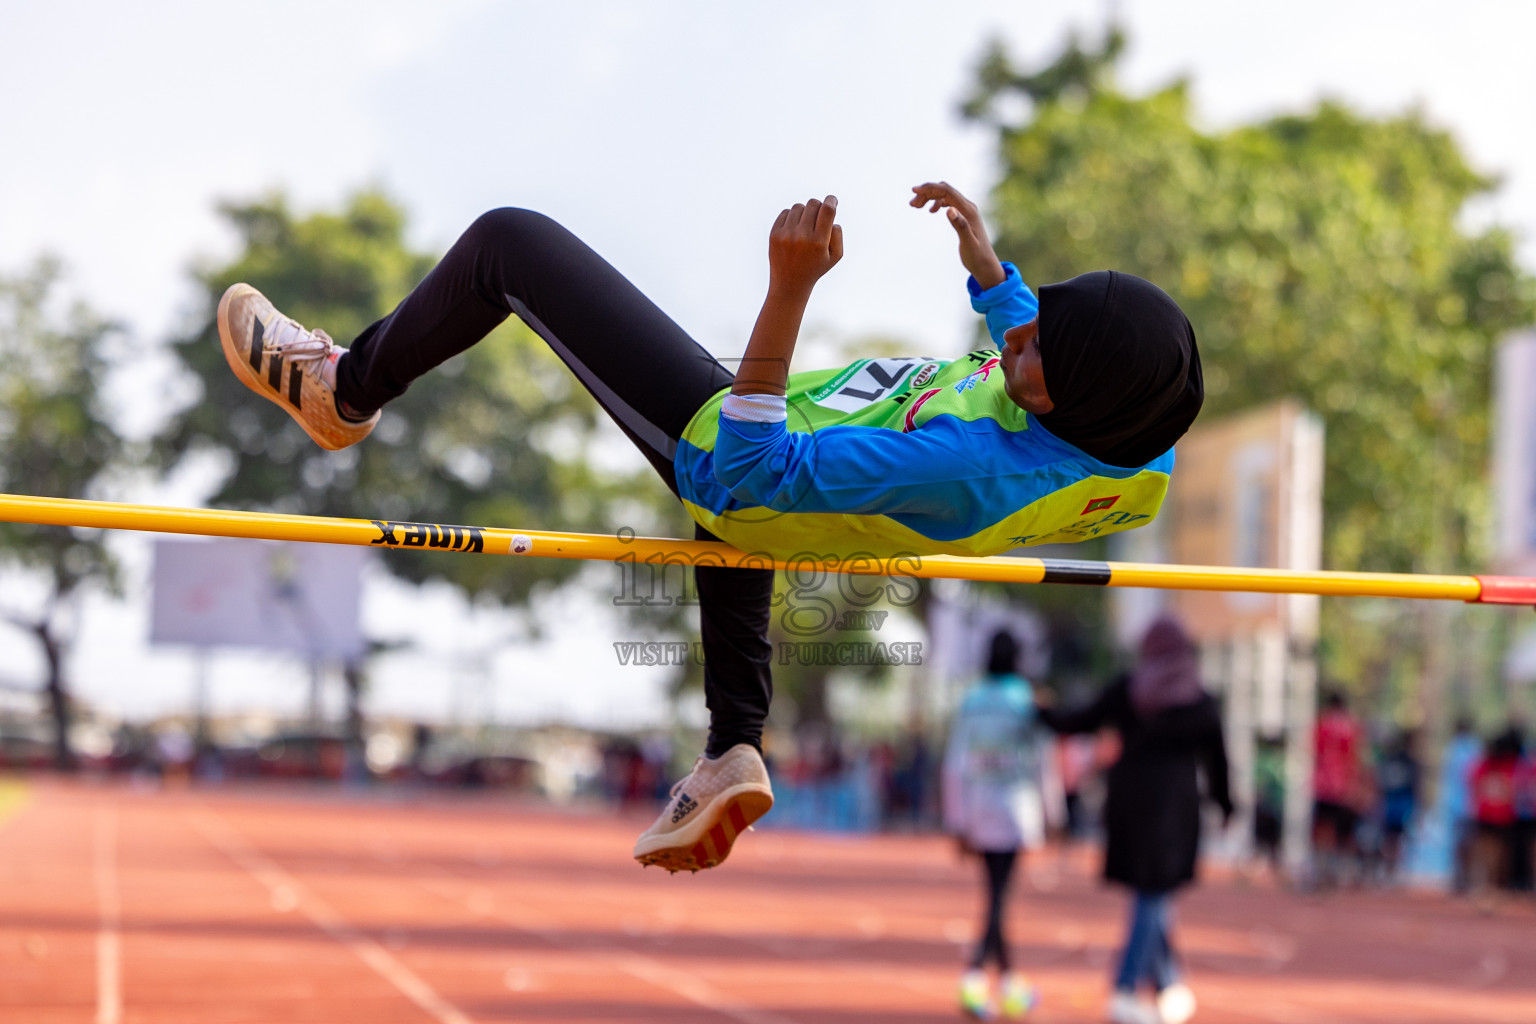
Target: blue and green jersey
907,455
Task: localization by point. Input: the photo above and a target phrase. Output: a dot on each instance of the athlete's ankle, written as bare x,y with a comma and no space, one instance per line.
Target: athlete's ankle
720,743
331,374
350,414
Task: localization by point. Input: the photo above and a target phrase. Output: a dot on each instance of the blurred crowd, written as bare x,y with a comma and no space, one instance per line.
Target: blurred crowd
1370,803
1388,806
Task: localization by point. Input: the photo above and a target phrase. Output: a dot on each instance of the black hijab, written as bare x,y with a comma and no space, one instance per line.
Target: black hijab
1121,366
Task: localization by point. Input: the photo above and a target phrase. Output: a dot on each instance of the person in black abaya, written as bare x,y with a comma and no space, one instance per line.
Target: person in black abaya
1170,732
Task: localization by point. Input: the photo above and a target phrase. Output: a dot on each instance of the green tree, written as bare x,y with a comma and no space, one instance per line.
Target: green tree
495,436
56,439
1323,255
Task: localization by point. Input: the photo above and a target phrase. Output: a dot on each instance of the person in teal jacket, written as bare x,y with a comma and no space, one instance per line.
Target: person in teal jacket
1062,430
994,806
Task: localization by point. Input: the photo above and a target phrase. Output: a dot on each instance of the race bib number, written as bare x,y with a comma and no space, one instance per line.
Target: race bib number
870,380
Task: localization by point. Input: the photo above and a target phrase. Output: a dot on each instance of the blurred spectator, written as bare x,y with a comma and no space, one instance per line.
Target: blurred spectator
1525,809
1397,781
1170,729
1076,762
173,752
625,779
1460,757
1493,807
1336,786
656,750
881,756
209,763
1521,866
1269,799
994,807
421,743
908,786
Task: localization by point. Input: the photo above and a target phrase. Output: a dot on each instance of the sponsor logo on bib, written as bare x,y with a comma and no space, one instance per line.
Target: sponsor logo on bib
926,373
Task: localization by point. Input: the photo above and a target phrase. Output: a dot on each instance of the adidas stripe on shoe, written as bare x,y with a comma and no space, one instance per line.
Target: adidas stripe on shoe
281,361
709,809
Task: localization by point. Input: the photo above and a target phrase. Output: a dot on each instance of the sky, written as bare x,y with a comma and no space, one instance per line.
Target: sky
667,135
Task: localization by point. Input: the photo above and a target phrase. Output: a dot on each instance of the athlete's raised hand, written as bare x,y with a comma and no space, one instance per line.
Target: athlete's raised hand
804,244
975,248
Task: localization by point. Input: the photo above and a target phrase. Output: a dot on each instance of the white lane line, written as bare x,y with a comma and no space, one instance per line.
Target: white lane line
286,890
109,986
890,974
691,988
679,982
810,947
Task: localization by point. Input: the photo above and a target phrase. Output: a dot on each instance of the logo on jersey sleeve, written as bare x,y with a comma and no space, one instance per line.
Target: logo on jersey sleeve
1100,503
909,422
980,375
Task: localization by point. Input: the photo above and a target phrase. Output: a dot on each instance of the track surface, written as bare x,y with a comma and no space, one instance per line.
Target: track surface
119,905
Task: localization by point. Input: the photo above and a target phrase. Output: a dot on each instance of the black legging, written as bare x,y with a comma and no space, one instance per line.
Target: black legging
643,369
999,871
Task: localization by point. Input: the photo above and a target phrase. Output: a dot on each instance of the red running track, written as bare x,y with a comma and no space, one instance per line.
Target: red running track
120,906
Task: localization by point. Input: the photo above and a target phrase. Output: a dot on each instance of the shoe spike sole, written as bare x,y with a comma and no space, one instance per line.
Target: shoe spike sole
712,850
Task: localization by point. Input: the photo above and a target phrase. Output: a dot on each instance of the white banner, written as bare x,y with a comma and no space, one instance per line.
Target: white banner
302,598
1515,454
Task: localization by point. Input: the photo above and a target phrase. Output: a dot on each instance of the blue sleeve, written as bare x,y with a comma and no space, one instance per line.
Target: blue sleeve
1005,305
856,470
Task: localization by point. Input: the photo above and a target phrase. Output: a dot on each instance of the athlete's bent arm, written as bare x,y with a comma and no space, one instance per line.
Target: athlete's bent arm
804,244
976,252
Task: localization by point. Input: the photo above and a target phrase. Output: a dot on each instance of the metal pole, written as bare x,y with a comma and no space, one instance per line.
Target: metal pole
201,732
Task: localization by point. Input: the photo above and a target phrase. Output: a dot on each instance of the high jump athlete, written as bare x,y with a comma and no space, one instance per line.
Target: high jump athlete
1063,431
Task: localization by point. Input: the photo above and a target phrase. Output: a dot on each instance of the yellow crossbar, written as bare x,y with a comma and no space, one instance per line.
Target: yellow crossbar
384,533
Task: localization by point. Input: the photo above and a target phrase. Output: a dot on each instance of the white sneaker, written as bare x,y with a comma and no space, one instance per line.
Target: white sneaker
1019,996
717,802
1129,1008
1176,1004
976,995
277,358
